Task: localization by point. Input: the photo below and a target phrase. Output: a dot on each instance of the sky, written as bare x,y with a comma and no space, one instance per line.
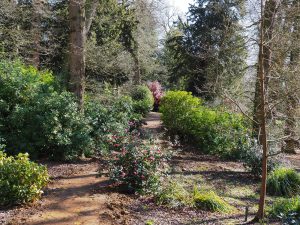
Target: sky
181,5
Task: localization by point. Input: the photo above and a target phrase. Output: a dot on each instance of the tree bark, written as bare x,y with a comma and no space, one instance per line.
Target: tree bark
36,30
292,143
90,16
265,52
262,117
77,49
137,70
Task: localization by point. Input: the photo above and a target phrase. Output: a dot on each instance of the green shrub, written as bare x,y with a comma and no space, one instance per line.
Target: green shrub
136,165
283,182
50,125
21,181
210,201
142,99
215,132
37,116
251,156
286,209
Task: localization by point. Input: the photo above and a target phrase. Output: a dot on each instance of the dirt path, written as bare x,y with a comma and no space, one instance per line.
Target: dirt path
73,197
77,196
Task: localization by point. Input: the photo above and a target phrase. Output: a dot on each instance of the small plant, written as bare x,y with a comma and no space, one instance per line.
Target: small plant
251,156
173,195
136,165
142,99
21,180
149,222
288,210
210,201
283,182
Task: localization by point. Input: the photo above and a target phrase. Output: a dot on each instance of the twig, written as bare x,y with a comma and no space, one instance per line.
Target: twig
242,111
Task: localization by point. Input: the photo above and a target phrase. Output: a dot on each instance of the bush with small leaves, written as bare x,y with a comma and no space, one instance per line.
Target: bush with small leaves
21,181
211,131
142,99
283,182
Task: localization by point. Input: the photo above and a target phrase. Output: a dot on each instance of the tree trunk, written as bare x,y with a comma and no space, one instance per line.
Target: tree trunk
137,70
262,118
292,143
77,49
265,52
36,30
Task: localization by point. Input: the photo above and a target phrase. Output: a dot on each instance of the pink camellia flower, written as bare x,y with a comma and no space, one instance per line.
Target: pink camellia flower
116,145
124,151
135,173
151,158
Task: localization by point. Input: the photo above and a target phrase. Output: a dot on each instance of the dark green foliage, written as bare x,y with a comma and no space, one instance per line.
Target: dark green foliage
251,156
108,120
208,52
36,117
50,126
212,131
287,209
21,180
283,182
142,99
39,118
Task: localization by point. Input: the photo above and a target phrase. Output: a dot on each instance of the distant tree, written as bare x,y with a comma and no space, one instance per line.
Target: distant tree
209,49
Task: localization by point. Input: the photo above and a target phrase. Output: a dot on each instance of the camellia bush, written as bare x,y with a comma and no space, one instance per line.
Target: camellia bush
135,165
212,131
21,181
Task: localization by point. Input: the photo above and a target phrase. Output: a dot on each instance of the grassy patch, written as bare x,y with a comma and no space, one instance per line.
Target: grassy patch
210,201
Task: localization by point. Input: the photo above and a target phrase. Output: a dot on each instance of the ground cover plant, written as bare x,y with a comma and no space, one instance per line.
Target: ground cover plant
286,209
21,181
283,182
175,195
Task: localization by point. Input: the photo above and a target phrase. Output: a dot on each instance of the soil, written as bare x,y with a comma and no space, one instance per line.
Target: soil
78,196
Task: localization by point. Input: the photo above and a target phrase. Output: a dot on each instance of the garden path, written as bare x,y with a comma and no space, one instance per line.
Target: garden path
77,196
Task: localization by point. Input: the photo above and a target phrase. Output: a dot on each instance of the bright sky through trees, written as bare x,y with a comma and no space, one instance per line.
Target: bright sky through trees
181,5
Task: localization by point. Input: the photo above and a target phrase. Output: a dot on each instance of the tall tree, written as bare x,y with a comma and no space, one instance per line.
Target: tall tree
77,48
262,116
210,53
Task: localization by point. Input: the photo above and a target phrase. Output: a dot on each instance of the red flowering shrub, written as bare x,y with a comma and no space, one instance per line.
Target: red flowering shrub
157,93
136,165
